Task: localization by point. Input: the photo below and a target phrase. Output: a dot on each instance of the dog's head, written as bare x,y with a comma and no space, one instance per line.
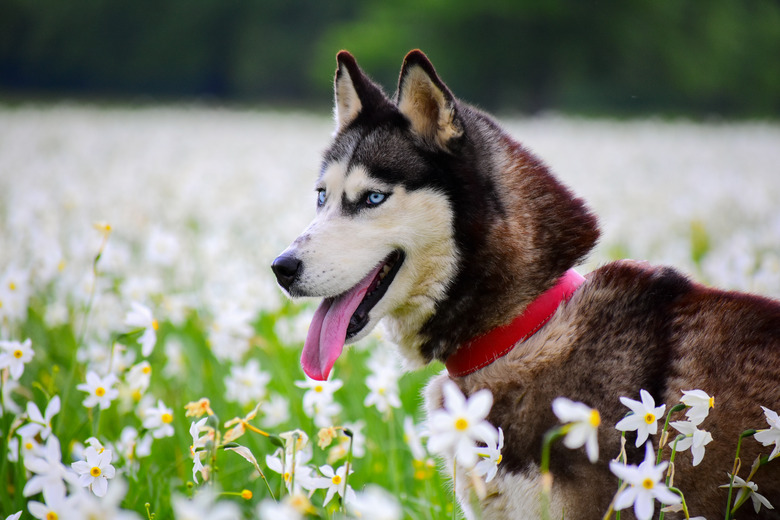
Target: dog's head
409,199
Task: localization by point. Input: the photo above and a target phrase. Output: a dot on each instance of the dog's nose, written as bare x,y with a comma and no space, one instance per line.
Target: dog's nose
286,268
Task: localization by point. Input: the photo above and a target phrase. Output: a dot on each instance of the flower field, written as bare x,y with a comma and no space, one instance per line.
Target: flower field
149,363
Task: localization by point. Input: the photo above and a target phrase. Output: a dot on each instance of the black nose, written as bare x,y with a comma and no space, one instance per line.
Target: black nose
286,269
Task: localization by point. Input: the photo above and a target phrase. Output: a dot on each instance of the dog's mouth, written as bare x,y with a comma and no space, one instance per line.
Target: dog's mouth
342,317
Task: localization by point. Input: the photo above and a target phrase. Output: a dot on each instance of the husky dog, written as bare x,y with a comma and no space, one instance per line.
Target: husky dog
431,218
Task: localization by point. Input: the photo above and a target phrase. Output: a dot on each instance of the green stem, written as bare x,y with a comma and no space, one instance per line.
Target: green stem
674,409
349,434
669,473
746,433
544,468
454,486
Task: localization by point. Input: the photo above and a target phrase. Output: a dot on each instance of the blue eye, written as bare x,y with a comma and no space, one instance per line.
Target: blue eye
375,198
320,197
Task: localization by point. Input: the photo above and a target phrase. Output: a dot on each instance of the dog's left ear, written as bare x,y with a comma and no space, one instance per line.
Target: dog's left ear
427,102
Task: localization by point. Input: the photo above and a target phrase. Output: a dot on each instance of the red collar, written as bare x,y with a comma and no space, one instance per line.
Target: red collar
483,350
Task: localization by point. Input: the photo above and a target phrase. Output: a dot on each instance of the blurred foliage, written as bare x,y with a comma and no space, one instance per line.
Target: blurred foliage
608,56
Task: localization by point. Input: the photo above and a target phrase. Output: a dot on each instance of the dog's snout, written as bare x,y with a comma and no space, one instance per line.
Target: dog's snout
286,267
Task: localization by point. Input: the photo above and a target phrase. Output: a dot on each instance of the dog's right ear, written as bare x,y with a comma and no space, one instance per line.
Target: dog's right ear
354,91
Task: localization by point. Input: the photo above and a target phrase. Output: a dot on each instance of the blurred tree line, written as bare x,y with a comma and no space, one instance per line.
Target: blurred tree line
592,56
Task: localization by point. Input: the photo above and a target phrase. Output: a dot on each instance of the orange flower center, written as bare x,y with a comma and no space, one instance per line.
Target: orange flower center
95,472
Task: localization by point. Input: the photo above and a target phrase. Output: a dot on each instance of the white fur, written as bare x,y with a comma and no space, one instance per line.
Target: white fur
338,250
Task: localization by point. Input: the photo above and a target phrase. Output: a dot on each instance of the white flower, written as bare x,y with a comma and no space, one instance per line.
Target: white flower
375,503
39,424
246,384
318,402
199,442
55,505
751,489
14,516
204,506
383,381
699,403
455,428
230,333
15,355
644,418
87,505
95,471
50,473
695,439
297,475
141,318
334,483
644,485
7,404
583,423
138,379
770,435
158,420
276,411
162,247
490,458
413,438
272,510
100,390
14,294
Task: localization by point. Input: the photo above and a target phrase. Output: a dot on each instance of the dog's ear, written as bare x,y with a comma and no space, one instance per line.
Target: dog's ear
427,102
354,91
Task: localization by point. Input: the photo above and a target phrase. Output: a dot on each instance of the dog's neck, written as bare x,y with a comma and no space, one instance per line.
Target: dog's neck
483,350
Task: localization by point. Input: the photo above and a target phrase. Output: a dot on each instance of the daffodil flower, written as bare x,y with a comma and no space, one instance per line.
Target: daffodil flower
460,424
770,435
699,402
583,423
644,419
141,317
334,483
695,439
100,390
39,423
748,489
644,485
15,355
95,470
491,457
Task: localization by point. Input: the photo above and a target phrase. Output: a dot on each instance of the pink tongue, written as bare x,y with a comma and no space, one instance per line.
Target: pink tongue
328,329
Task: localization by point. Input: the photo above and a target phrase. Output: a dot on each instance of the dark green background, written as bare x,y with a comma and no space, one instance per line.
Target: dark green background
618,57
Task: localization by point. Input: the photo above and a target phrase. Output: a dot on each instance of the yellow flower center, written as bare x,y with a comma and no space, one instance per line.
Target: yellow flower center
12,286
246,494
51,515
648,483
499,459
95,472
712,402
318,388
137,395
18,354
147,369
286,476
28,446
595,418
155,325
649,418
167,418
336,479
100,391
461,424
